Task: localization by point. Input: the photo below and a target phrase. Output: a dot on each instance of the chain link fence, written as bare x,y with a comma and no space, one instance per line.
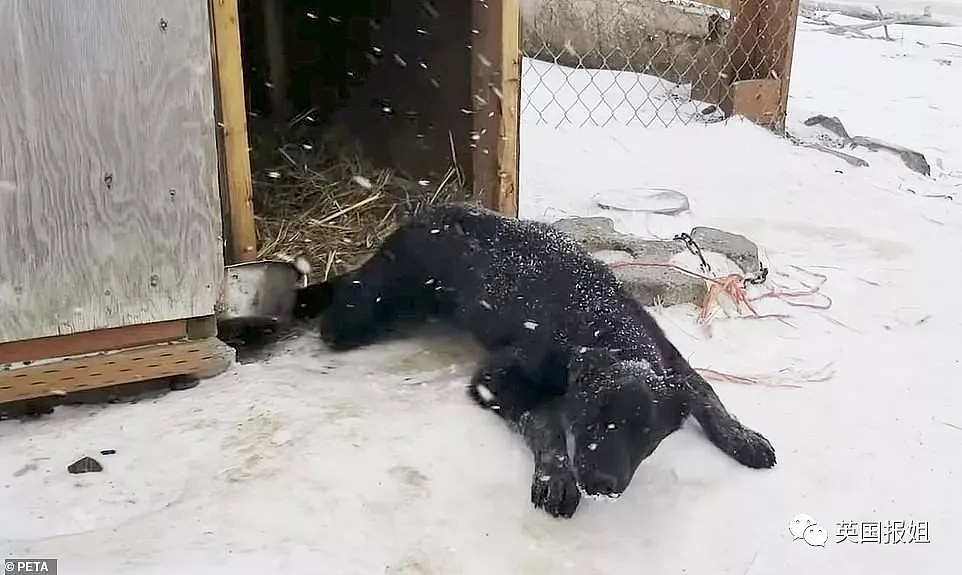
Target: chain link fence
601,62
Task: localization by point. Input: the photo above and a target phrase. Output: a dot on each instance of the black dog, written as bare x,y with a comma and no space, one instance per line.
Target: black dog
579,368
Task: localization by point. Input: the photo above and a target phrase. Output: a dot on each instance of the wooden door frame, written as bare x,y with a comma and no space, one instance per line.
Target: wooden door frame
496,94
236,187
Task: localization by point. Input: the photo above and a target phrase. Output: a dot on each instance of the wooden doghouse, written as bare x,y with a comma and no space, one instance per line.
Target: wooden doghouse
124,172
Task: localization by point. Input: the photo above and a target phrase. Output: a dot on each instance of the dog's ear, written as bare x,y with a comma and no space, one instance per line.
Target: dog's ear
313,300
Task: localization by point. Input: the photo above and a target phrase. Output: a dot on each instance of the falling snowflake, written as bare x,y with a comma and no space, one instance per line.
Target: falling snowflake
362,181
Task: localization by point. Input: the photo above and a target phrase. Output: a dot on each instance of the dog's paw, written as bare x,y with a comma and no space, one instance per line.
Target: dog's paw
753,450
556,492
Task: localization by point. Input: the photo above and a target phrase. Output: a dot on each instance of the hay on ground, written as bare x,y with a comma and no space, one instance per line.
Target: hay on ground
316,196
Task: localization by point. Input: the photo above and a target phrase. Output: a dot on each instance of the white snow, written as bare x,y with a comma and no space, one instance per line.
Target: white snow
940,9
376,461
485,393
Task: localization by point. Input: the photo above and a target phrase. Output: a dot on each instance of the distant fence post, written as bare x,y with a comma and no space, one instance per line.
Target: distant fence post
761,48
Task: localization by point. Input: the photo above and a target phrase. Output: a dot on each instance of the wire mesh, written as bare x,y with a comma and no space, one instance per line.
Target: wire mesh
599,62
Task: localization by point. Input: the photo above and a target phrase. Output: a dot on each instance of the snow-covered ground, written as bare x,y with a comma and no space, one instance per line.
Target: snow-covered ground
940,9
376,462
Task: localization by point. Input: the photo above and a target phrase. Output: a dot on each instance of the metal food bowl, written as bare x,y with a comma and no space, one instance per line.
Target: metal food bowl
260,295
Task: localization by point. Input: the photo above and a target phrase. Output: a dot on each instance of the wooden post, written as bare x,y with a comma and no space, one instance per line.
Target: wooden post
496,91
789,11
229,71
761,48
509,143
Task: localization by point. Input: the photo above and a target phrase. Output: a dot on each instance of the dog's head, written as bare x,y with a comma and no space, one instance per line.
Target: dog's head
312,300
350,319
610,412
342,306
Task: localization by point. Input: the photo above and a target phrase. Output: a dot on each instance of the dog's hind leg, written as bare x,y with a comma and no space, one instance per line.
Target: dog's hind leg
513,379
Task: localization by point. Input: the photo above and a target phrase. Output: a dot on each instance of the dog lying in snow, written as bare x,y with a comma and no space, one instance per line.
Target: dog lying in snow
575,365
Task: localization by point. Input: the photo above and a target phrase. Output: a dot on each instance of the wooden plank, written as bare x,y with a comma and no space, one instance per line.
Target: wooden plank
496,73
757,100
109,210
773,47
202,358
222,179
761,47
229,70
93,341
509,143
742,41
789,15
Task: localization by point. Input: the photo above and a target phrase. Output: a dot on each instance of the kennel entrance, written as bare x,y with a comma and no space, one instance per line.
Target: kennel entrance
362,109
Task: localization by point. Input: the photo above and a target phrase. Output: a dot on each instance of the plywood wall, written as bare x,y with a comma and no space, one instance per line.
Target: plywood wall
109,209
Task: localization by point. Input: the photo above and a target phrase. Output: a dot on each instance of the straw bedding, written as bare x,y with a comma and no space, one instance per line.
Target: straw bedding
316,196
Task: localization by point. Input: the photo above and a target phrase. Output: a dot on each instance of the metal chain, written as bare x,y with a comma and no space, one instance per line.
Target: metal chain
693,248
756,278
